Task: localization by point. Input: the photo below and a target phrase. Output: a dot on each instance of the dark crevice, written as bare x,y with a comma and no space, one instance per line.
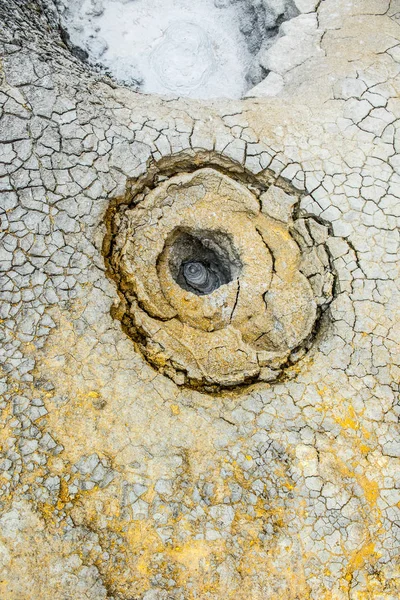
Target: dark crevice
236,301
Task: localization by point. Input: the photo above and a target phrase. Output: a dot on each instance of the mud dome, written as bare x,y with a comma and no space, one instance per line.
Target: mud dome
216,292
196,48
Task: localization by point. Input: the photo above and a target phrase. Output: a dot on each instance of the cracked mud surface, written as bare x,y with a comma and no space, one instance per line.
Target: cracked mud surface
269,291
116,483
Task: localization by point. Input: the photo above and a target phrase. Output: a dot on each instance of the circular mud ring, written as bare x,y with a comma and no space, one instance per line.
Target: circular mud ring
184,59
215,291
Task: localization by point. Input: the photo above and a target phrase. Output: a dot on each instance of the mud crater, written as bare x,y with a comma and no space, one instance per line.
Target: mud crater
196,48
222,281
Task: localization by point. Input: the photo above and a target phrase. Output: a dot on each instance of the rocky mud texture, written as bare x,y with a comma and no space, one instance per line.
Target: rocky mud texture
116,483
216,291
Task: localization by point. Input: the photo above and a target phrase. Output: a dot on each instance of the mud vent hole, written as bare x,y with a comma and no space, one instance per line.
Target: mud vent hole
202,261
196,48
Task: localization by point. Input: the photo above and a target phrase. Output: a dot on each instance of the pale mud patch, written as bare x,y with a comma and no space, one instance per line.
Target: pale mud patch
196,48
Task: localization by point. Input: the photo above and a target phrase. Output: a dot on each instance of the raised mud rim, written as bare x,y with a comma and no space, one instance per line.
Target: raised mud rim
187,163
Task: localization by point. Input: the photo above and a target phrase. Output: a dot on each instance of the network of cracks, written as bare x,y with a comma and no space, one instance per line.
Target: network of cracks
222,281
196,48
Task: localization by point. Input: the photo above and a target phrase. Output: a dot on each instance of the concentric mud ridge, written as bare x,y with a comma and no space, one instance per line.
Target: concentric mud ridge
221,284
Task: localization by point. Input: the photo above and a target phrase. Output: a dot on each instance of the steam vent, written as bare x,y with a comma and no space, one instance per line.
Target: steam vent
199,300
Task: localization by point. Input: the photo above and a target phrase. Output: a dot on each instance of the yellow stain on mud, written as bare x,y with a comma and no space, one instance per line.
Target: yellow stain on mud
366,553
370,488
348,420
192,553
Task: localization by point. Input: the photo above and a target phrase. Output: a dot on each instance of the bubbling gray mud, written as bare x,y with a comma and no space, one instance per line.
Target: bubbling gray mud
202,261
203,278
195,48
